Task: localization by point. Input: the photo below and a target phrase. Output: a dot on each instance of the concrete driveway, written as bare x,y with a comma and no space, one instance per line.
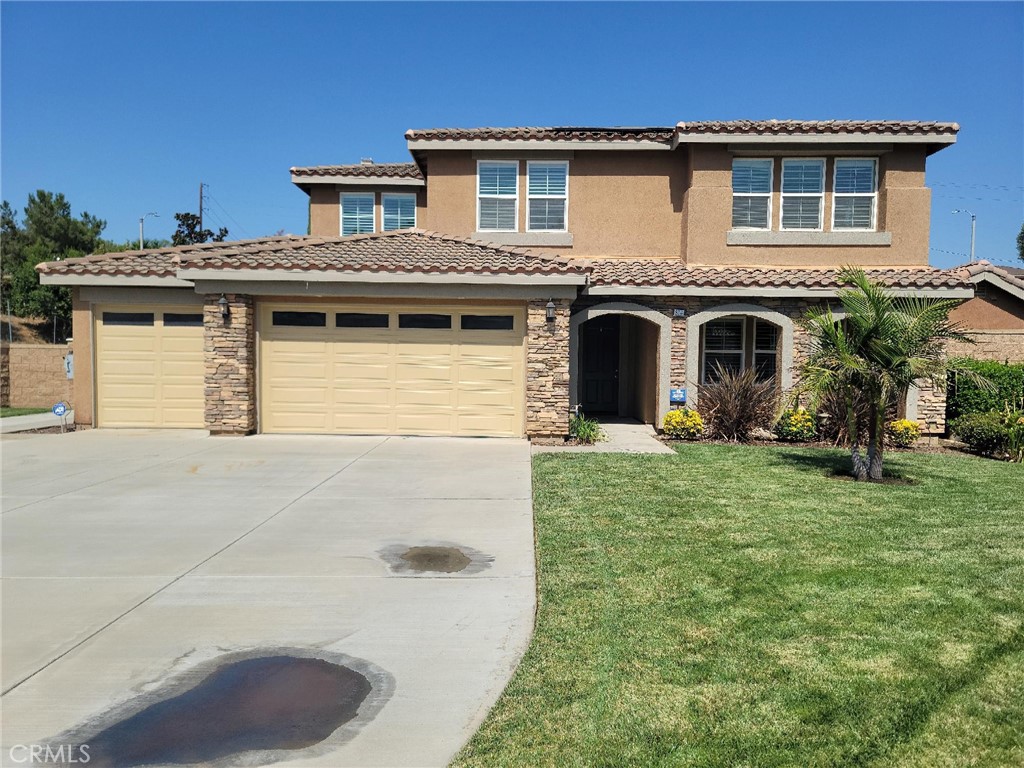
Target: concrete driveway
135,563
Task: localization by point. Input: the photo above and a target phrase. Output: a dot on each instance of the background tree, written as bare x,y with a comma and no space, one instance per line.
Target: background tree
1020,243
189,232
871,358
48,232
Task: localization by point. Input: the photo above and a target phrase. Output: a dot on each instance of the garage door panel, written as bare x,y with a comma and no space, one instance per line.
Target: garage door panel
394,380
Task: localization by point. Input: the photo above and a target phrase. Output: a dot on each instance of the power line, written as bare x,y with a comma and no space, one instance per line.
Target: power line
987,199
1000,187
238,226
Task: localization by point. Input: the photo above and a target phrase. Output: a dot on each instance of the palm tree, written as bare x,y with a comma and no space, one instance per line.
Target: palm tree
871,357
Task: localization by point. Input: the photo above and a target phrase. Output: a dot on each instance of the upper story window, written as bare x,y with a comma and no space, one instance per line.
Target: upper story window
751,194
398,211
497,195
803,193
356,213
547,194
855,192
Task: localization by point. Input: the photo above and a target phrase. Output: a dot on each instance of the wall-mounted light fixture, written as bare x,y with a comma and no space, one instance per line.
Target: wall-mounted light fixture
549,311
222,302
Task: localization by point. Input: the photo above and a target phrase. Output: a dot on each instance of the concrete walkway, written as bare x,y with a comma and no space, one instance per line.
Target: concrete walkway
623,437
135,562
34,421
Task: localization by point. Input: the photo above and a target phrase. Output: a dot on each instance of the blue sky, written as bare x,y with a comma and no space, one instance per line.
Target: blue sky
126,107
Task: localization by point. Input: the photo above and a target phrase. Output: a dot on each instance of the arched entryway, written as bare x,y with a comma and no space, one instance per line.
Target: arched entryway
619,355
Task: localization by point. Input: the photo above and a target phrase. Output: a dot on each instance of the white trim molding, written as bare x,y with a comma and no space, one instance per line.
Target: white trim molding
114,280
361,181
697,320
662,321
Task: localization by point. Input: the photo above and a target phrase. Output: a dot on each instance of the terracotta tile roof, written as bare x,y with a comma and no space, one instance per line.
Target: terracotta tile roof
1012,275
621,134
815,127
154,262
669,273
411,251
363,170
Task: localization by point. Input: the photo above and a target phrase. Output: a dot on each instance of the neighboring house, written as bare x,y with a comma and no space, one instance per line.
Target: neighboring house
509,274
995,315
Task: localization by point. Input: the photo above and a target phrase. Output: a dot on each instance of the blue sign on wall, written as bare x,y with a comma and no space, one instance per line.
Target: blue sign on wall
677,395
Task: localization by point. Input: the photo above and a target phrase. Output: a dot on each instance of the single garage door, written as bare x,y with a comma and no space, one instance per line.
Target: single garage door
149,366
394,370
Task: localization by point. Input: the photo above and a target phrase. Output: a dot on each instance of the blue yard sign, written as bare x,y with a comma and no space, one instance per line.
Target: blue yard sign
677,395
60,409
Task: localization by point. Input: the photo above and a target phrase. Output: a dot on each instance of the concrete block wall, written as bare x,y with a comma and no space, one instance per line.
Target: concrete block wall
34,375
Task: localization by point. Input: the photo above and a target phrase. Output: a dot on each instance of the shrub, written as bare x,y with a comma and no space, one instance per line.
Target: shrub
832,424
985,433
796,425
737,403
587,431
684,423
902,433
965,396
1015,440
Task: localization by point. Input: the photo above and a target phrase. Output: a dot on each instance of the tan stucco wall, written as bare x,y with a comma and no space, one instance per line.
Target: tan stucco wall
325,205
997,310
903,210
620,203
81,331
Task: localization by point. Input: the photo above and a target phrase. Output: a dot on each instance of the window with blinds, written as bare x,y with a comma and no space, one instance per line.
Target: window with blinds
398,211
854,197
356,214
497,196
547,195
723,347
751,194
803,192
766,341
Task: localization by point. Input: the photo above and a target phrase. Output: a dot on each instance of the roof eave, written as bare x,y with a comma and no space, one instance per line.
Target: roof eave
395,181
126,281
519,145
336,276
693,290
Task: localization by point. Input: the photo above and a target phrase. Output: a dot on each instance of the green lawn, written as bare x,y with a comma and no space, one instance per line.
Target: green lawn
736,606
5,412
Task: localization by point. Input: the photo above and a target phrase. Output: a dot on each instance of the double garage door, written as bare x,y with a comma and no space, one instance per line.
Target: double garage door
149,366
373,369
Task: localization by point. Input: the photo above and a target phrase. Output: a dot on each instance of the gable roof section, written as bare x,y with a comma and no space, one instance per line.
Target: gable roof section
415,254
525,138
934,134
672,277
404,174
1009,279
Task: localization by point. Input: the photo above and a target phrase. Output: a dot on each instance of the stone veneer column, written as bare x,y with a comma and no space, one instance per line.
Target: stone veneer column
547,370
931,409
229,352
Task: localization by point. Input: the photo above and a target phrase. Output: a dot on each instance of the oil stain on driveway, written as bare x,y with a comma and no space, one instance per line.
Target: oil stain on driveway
376,593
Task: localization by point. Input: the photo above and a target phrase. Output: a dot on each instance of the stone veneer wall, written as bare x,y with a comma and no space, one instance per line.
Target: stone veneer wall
229,350
547,370
5,375
931,409
1001,346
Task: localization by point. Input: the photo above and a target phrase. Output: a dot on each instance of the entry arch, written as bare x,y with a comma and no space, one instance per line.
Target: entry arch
661,321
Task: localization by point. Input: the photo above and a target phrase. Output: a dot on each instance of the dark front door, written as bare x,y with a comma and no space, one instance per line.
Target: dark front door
599,365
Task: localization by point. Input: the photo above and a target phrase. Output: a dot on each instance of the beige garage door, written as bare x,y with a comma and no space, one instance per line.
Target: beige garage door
149,366
415,370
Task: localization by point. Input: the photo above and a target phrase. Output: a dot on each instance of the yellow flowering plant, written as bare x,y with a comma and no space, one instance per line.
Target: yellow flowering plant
902,433
796,425
684,423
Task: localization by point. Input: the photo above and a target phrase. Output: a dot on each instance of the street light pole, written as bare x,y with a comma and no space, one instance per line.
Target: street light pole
974,221
141,220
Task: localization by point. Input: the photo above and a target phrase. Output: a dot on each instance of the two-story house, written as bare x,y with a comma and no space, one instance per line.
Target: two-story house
505,275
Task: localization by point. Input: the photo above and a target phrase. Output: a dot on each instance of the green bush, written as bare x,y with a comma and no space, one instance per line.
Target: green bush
587,431
985,433
965,396
797,425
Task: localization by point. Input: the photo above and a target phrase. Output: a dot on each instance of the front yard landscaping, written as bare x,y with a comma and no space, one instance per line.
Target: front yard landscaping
742,606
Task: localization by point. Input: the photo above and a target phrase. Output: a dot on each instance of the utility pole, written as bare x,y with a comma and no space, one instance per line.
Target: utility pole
200,206
974,221
142,244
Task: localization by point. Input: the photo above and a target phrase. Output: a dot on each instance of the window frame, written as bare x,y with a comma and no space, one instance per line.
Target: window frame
341,212
565,197
770,194
704,345
820,195
397,195
755,351
873,195
479,196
